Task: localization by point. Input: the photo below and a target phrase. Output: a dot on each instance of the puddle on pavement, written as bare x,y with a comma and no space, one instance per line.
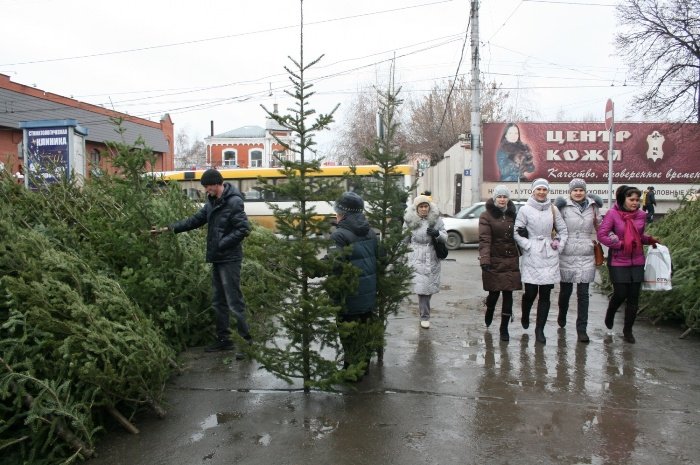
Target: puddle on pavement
470,343
320,427
263,439
212,421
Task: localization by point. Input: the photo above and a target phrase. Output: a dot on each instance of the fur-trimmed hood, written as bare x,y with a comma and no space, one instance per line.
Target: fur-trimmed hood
561,202
413,221
497,212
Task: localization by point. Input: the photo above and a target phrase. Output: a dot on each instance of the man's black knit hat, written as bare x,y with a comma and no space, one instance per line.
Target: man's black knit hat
211,177
349,202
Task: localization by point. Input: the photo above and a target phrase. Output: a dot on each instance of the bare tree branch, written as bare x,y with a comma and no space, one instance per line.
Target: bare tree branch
661,45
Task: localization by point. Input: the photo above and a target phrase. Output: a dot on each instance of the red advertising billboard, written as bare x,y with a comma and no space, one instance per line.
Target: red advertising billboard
643,153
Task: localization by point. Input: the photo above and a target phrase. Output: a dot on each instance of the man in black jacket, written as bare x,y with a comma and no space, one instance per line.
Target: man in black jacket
228,225
355,242
650,204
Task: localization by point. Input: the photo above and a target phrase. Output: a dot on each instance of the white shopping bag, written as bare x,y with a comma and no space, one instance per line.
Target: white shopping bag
657,269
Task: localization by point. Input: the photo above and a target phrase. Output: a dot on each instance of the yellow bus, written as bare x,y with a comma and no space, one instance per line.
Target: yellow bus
256,202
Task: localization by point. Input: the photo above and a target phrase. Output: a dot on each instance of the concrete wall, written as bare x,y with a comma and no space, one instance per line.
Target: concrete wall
440,180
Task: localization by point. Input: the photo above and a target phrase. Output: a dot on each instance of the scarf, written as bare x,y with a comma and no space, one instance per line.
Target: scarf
582,204
632,241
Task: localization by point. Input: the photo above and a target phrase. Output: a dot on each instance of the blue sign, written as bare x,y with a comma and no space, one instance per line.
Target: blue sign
47,150
468,172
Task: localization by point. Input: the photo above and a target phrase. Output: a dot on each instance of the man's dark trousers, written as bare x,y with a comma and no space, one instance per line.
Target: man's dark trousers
227,297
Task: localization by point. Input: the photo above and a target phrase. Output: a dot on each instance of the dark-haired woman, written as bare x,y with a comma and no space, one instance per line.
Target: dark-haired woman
622,231
498,256
513,156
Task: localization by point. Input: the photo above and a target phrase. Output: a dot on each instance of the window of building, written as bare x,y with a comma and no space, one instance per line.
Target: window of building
278,156
230,158
256,158
95,158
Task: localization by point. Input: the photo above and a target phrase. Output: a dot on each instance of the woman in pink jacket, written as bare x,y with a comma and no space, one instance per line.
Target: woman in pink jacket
622,231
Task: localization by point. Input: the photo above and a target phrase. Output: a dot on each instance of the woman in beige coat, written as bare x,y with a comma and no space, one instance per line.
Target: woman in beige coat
423,220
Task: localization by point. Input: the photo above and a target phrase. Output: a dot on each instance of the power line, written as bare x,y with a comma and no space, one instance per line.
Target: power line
228,36
569,3
506,20
454,80
446,40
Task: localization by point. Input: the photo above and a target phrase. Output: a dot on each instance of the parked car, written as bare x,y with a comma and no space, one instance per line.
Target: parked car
463,228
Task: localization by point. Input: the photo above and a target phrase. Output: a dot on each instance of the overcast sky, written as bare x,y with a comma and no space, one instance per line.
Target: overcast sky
218,60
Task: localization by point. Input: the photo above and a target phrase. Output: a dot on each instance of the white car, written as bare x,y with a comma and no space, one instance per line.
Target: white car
463,228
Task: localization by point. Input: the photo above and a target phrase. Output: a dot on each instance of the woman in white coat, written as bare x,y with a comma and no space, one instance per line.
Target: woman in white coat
423,221
541,236
581,212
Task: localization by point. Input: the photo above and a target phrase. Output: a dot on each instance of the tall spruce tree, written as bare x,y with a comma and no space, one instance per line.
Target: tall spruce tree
386,197
304,344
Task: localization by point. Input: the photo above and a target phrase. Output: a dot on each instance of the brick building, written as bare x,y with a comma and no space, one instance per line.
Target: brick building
21,103
248,147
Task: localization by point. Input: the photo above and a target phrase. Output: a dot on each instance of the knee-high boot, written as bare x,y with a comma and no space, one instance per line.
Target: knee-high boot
542,313
630,316
610,315
563,310
526,307
505,320
488,317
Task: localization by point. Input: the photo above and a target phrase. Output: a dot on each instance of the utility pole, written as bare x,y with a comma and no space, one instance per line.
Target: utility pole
476,105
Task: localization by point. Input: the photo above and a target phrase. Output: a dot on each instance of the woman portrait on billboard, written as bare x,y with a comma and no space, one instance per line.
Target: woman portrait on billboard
513,156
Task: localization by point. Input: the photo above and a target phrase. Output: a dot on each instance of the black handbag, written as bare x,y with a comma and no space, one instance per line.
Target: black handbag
440,249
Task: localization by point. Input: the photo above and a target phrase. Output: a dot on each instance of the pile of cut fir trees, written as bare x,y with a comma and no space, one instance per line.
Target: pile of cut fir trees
93,310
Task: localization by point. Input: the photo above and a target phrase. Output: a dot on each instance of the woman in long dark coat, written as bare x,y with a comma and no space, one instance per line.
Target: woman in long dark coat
498,255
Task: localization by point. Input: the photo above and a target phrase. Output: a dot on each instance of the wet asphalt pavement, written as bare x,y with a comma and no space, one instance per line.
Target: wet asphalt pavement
452,394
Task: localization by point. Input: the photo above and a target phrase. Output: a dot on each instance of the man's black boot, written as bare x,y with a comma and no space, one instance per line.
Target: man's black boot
221,344
242,352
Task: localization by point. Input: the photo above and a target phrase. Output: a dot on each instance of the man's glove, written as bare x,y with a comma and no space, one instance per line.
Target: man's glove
555,244
432,232
653,241
486,267
522,232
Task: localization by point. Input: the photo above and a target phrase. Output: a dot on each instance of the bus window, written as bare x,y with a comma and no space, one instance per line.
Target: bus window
326,187
279,197
194,194
250,189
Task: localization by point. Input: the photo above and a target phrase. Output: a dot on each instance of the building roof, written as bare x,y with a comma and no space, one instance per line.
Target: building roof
272,125
23,103
244,132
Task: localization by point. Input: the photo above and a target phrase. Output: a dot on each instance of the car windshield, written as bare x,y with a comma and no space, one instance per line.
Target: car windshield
478,209
475,210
